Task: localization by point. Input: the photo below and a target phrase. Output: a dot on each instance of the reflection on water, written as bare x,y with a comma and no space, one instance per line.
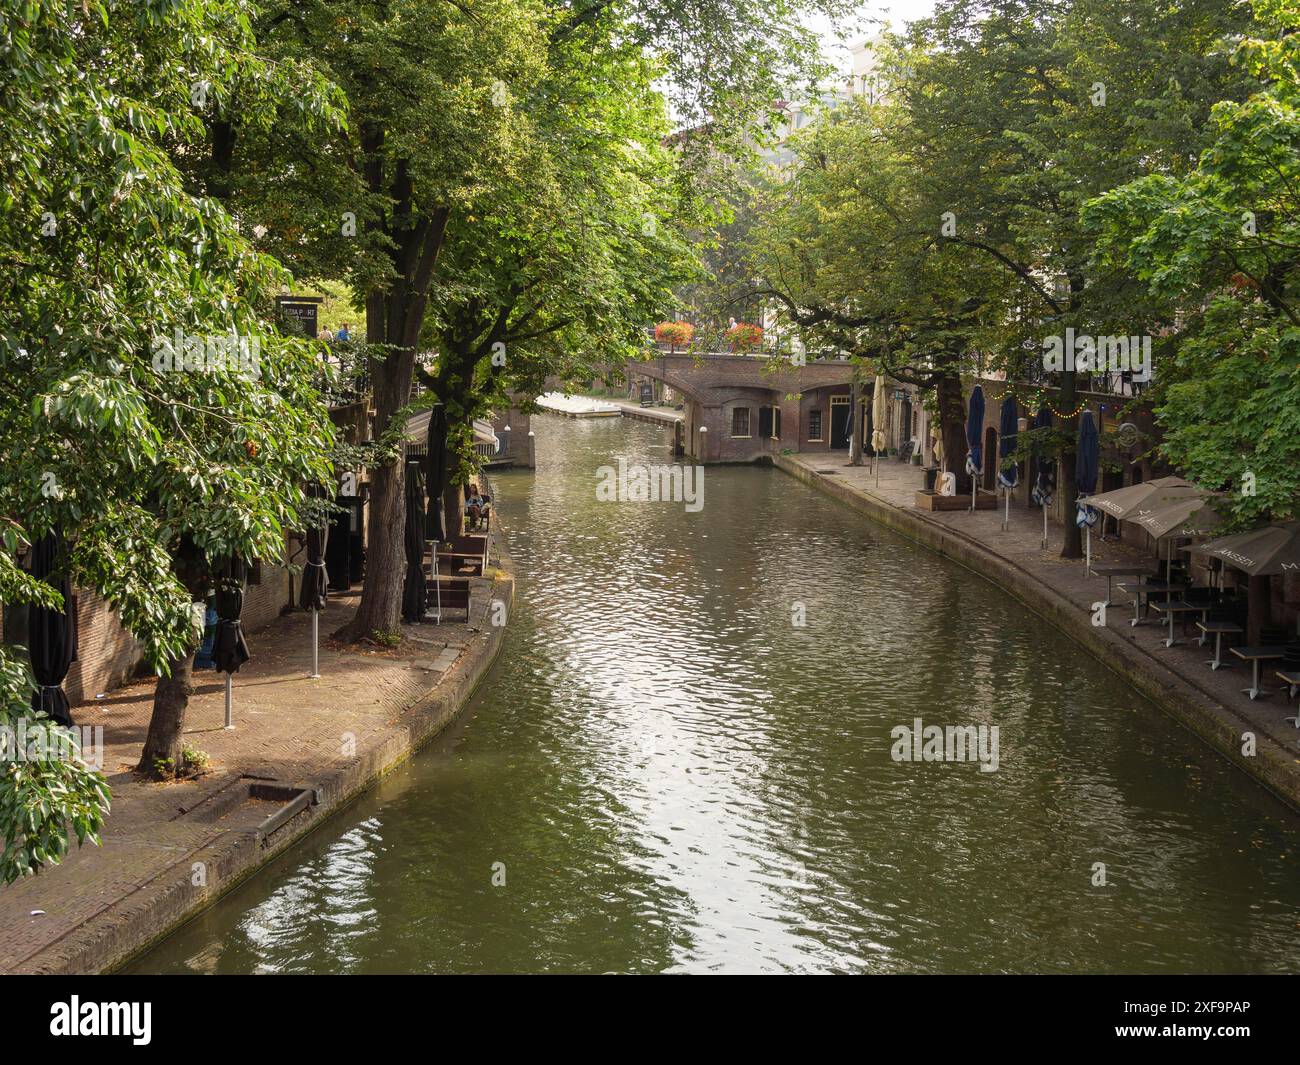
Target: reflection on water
664,773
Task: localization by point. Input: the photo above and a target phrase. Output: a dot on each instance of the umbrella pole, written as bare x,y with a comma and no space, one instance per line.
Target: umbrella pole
1044,526
1006,518
230,722
315,645
1087,564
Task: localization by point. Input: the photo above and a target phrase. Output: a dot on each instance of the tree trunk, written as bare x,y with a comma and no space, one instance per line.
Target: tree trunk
453,500
171,697
380,609
394,317
952,427
162,746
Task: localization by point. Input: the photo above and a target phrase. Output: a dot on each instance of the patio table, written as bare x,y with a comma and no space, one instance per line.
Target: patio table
1292,680
1171,608
1256,655
1147,588
1220,629
1111,570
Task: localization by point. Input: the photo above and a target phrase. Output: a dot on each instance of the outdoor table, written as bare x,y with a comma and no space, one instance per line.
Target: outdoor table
1173,607
1111,570
1148,588
1292,681
1256,655
1220,630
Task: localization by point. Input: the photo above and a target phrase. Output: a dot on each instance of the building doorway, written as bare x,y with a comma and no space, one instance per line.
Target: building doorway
840,415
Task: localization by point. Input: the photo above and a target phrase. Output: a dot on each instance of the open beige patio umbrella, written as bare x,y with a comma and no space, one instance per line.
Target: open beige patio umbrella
1121,502
1176,518
1260,552
1263,552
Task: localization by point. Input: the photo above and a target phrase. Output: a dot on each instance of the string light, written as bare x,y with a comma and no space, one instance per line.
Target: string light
1040,400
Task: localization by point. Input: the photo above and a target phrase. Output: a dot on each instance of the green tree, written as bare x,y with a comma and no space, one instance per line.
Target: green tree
845,251
556,273
1020,112
1219,247
441,97
147,412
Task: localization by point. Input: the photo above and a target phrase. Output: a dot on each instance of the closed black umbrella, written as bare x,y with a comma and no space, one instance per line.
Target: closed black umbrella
229,648
413,590
315,578
436,475
52,634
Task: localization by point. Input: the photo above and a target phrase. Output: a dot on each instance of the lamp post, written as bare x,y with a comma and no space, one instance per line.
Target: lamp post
704,442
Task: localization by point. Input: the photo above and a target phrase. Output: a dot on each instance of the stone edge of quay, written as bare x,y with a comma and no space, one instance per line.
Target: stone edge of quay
1217,725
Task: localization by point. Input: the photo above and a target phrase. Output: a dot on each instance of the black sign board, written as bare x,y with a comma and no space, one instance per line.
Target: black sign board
298,313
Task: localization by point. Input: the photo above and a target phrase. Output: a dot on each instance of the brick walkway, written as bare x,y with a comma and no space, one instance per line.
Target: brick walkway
333,735
1177,678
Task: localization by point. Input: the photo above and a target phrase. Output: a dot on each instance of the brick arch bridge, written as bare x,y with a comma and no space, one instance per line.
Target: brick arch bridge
787,406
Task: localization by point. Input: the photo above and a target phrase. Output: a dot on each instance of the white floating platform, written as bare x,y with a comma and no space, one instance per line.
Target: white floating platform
577,406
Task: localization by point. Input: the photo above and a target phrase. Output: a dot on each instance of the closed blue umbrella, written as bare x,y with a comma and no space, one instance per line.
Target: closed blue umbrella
974,430
1008,429
1087,455
1043,467
1044,490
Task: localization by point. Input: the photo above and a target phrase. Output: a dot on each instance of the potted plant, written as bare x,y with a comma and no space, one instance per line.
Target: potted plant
745,337
674,333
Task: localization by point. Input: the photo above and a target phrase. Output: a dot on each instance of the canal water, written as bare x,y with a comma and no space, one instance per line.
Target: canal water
664,773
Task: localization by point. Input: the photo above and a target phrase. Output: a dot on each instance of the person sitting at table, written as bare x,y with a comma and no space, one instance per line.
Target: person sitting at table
476,507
